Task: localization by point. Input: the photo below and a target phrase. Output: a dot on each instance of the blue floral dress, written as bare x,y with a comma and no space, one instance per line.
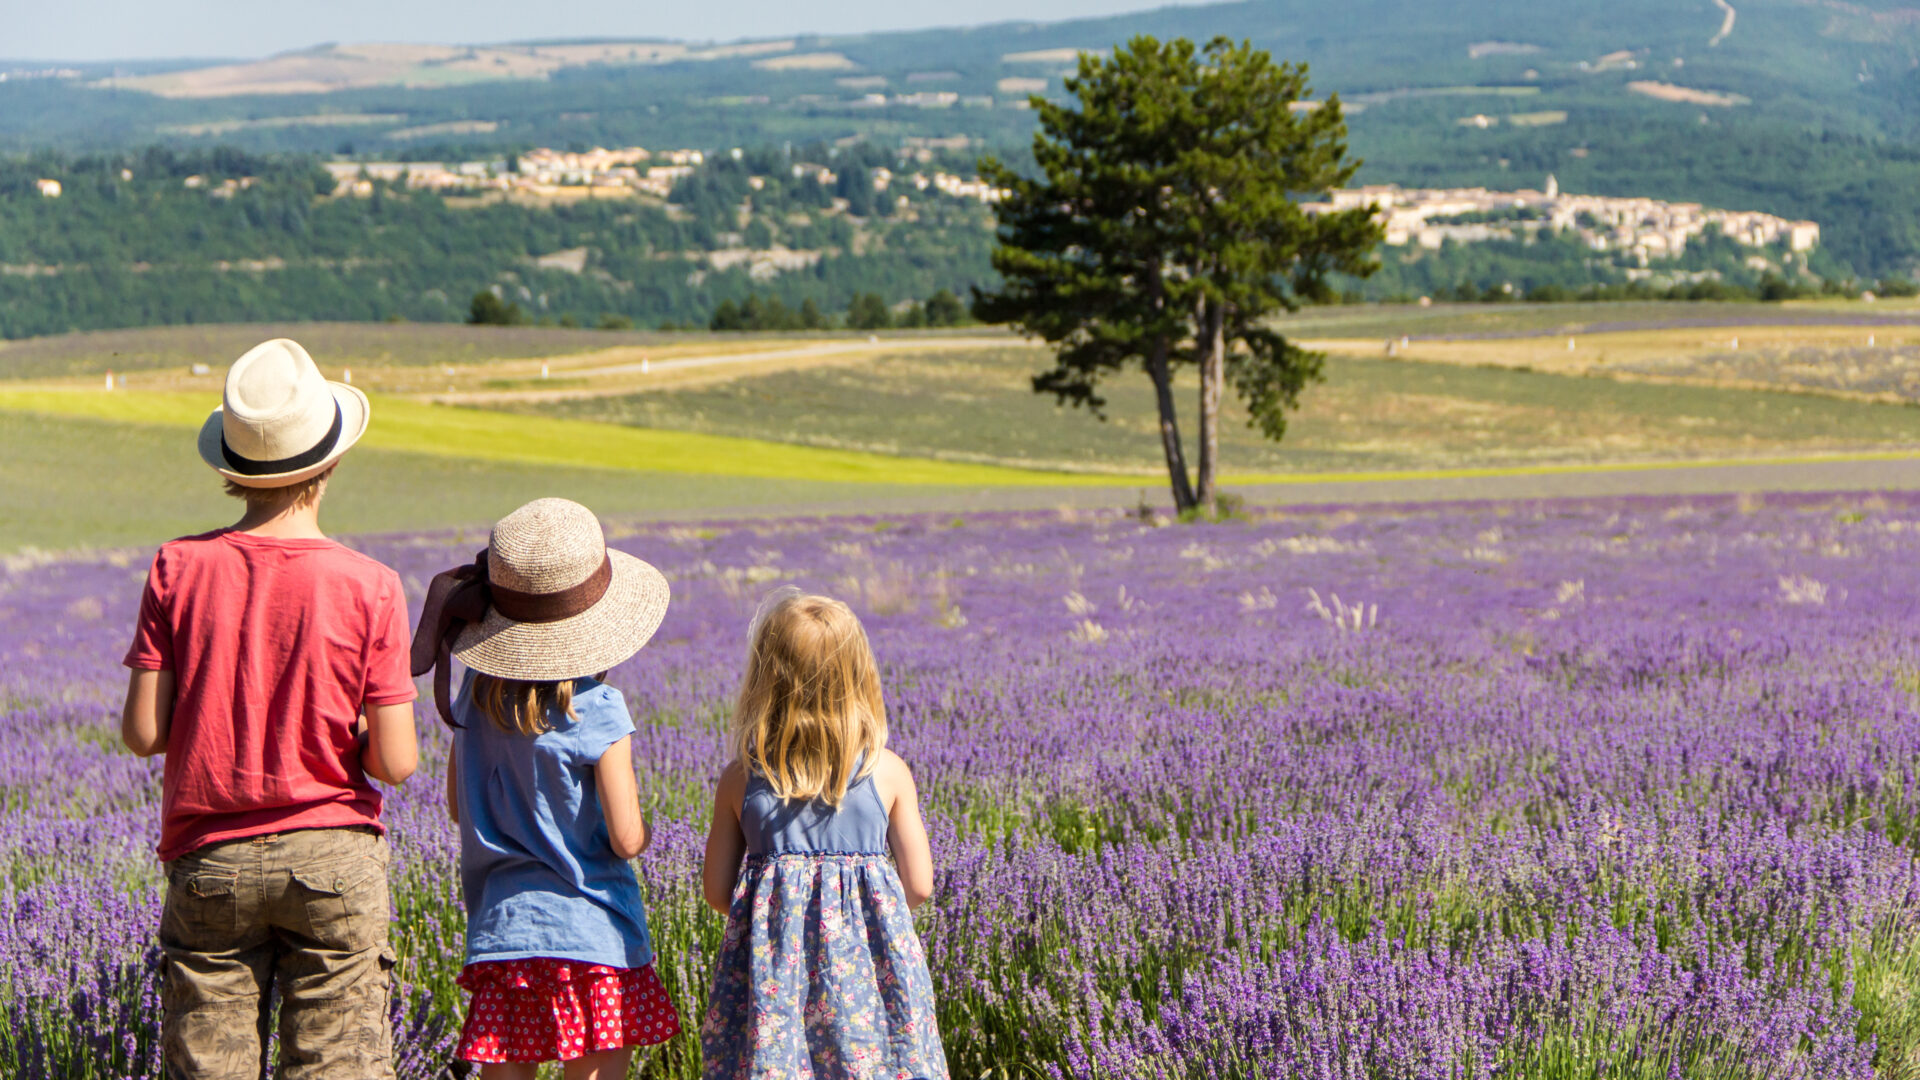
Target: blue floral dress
821,974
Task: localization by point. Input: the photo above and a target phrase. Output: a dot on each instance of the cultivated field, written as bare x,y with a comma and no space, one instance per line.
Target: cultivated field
660,425
1870,363
1620,789
1371,415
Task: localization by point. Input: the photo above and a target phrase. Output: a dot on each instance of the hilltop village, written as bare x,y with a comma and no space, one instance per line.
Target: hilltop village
1642,229
601,173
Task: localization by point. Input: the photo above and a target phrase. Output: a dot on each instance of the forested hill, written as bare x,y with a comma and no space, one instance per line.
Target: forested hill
1806,110
191,237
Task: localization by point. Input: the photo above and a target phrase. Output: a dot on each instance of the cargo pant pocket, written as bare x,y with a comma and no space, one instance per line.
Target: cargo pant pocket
345,904
202,910
336,1020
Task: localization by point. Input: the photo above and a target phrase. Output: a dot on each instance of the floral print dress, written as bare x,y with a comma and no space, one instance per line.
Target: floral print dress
821,974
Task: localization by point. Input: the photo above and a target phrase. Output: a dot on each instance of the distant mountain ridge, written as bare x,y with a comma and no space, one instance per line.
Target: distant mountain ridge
1824,60
1809,109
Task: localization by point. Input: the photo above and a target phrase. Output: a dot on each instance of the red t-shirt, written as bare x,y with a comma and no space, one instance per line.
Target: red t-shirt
275,645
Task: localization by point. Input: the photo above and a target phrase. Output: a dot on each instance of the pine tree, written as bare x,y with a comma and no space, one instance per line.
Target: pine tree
1165,229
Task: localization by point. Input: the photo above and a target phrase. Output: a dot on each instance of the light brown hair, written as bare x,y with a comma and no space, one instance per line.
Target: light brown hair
518,707
291,496
810,704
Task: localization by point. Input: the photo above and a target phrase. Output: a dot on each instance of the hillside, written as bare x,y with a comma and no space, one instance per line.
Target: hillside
1793,108
1845,67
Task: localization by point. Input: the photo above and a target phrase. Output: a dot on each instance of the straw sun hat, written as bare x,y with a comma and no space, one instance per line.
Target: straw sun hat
280,421
546,601
548,549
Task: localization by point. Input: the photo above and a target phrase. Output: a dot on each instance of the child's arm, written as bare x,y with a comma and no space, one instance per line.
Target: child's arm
392,750
906,833
453,781
620,800
148,713
726,844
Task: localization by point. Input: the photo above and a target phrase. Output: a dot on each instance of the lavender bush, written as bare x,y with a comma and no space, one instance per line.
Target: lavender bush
1621,789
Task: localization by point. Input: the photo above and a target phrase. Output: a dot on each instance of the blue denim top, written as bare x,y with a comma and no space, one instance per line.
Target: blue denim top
775,826
538,873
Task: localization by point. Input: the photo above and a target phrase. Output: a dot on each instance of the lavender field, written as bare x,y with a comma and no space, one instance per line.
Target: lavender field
1617,789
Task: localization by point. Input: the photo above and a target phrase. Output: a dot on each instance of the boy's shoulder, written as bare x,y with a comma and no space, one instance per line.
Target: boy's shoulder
363,563
188,546
339,562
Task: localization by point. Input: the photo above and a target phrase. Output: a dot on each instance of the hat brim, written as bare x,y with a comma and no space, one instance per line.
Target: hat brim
354,415
598,638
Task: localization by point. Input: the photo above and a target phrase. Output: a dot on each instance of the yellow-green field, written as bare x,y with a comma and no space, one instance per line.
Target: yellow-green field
422,428
699,423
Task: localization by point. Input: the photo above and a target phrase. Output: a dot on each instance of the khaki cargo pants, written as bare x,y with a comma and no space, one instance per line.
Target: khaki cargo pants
307,910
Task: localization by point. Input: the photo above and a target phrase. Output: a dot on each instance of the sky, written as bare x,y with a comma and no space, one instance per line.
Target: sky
154,29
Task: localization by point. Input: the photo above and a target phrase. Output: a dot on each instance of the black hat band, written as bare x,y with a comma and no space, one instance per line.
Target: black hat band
246,466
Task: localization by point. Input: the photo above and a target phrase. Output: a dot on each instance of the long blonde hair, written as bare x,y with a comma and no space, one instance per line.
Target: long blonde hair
810,704
518,707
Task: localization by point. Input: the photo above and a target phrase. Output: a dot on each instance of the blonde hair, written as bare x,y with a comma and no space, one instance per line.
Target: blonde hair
810,704
518,707
290,496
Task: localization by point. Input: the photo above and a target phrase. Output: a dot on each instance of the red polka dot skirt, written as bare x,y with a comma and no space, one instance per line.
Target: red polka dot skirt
543,1009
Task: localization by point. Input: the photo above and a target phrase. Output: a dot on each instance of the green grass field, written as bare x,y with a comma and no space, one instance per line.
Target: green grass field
366,344
533,439
1385,320
1371,415
70,482
884,429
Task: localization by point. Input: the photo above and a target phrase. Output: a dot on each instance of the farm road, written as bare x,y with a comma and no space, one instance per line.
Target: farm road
825,348
1627,326
630,369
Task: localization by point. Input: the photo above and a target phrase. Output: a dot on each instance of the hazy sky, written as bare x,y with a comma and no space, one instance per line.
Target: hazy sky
121,29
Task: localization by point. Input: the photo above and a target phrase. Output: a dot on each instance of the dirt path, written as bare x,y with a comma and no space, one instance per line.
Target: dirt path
1625,326
825,348
636,372
1726,25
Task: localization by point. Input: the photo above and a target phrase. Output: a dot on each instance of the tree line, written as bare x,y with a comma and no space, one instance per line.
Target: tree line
128,243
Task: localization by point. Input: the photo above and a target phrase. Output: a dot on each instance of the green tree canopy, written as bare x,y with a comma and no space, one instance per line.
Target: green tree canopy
869,312
945,309
489,310
1165,228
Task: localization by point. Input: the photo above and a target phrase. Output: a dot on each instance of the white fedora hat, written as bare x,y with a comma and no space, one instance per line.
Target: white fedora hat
280,421
562,604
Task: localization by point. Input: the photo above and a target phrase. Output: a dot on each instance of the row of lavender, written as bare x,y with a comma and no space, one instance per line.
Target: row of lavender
1554,790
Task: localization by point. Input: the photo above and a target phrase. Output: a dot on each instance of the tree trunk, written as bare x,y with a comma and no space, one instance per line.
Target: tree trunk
1213,373
1169,426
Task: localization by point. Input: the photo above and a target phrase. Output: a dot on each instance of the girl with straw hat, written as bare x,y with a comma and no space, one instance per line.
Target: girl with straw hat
559,960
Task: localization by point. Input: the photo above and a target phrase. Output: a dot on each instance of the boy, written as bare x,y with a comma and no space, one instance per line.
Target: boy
270,666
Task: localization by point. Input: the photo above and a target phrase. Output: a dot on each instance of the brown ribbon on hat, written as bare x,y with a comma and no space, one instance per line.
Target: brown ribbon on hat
463,594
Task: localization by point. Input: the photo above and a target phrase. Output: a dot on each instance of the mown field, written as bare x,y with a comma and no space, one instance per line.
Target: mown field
1619,789
68,483
1371,414
1518,319
470,420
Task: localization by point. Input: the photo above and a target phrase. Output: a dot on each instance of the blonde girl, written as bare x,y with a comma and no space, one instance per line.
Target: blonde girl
820,973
